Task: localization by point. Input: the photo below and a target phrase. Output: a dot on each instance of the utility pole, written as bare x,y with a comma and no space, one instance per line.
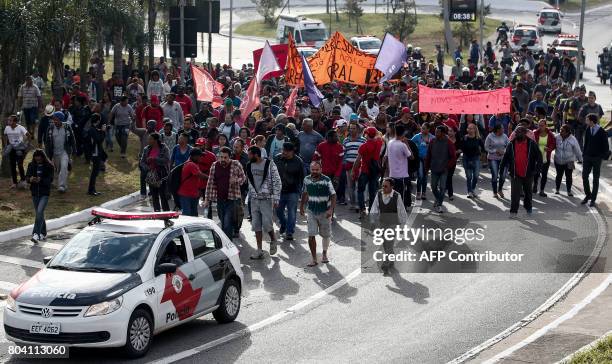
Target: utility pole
210,34
579,60
448,34
182,4
375,5
231,30
481,27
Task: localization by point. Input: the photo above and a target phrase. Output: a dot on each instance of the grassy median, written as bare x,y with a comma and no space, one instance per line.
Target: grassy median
121,178
428,33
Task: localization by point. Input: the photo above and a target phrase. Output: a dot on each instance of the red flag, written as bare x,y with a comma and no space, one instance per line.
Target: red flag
251,100
290,103
268,64
206,88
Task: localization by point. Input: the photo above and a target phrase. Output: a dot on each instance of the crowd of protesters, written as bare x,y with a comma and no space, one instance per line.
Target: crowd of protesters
193,155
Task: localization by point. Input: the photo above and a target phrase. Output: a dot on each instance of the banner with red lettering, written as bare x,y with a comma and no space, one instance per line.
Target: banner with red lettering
464,101
280,53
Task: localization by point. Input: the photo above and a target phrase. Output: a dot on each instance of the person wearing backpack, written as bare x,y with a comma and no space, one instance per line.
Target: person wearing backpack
264,188
224,181
189,186
367,167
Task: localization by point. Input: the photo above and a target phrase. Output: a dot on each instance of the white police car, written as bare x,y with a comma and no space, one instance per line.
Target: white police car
126,277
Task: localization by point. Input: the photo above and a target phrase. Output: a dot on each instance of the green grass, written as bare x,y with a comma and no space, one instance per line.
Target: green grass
122,177
600,354
574,5
428,33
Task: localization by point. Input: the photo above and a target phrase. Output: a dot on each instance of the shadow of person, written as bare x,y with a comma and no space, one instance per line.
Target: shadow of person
331,277
418,292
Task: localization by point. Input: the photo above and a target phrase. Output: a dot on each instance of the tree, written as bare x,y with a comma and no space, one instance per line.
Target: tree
403,20
267,9
354,11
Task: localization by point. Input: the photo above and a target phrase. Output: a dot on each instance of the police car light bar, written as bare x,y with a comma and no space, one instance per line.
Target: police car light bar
100,213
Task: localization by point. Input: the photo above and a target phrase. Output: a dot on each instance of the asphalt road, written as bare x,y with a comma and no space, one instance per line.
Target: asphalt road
294,313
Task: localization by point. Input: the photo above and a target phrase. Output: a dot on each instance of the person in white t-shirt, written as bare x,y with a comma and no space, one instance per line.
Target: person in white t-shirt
14,140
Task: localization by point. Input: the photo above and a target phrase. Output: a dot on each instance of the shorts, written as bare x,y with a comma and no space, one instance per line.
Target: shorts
261,214
319,224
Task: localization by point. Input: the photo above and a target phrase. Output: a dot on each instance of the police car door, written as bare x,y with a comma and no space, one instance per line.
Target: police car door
210,262
176,297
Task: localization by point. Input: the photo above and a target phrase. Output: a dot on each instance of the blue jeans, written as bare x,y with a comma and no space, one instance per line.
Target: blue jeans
497,177
372,182
225,211
108,140
422,177
40,203
438,185
30,115
189,205
472,170
289,201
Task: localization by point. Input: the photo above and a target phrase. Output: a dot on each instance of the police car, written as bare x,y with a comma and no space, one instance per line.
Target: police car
126,277
367,43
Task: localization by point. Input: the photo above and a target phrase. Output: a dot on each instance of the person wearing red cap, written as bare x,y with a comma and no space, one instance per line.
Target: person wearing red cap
368,167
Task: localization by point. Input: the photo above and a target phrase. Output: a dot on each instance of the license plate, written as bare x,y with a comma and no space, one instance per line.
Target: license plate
45,328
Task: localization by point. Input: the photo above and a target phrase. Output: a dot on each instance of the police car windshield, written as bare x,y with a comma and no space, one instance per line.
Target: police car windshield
370,44
313,35
104,251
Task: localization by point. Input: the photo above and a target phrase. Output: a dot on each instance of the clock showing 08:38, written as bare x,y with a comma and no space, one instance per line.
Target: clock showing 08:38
463,17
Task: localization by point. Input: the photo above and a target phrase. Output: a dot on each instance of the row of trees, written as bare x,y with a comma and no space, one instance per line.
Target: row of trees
37,35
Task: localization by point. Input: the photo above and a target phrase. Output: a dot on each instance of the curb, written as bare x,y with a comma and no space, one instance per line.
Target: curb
70,219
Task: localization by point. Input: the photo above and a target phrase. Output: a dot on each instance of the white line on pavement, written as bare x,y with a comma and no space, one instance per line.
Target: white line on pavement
7,286
566,316
21,261
52,246
277,317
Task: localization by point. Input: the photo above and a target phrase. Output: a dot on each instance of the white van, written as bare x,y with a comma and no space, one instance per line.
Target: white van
306,32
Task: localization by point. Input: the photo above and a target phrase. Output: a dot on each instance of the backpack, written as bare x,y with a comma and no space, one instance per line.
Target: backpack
263,180
175,179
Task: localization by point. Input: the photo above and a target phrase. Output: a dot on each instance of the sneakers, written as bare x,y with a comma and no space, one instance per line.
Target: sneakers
470,195
451,198
592,203
342,203
495,195
273,247
418,195
500,194
439,209
258,255
556,192
289,237
42,237
585,200
423,196
570,194
513,215
35,238
543,194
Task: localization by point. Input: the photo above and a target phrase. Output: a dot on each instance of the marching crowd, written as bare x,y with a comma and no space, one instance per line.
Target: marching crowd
312,155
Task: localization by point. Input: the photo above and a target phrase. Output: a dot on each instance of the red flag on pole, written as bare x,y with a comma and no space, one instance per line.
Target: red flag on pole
206,88
268,64
290,103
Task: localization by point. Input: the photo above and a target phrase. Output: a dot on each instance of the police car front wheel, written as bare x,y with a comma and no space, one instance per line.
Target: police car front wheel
230,302
139,334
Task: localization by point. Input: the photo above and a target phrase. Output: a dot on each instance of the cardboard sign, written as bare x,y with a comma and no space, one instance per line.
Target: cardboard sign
337,60
464,101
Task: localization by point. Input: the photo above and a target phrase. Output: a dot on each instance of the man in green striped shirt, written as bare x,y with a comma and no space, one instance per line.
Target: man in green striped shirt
320,195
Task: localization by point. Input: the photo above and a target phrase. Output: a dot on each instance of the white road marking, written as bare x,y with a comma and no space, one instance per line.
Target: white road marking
21,261
277,317
52,246
7,286
566,316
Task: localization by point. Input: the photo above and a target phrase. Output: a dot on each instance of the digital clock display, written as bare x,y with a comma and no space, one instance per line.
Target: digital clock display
462,10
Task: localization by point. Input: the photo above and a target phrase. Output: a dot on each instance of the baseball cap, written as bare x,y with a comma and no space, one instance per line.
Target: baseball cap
200,141
229,102
371,131
354,117
59,116
405,110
